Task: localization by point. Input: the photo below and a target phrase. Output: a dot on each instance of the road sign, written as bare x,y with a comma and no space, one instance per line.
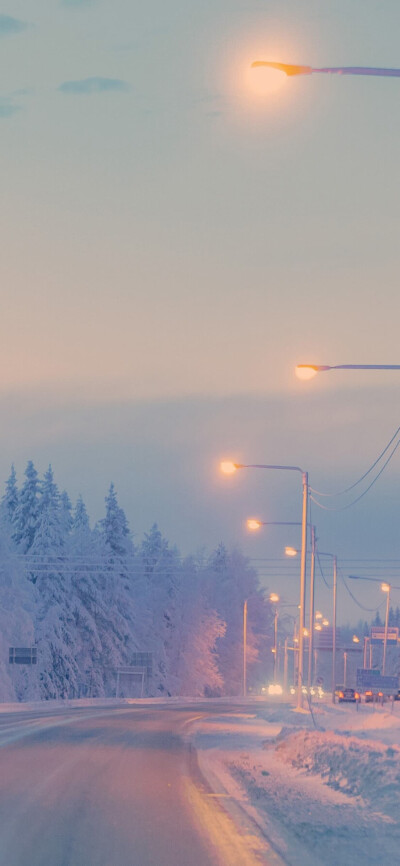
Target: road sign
22,655
323,640
372,680
378,635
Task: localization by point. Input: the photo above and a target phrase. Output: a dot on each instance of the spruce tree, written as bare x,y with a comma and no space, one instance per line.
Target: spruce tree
9,502
26,513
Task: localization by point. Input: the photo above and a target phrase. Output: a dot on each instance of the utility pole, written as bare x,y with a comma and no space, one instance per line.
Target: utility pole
245,648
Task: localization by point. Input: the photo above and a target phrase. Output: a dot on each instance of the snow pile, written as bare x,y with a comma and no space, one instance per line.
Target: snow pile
361,768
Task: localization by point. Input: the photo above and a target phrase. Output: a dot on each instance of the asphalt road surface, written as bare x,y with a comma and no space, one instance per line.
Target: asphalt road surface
113,786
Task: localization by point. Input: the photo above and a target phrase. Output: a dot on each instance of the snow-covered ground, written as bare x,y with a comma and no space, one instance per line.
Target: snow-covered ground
327,796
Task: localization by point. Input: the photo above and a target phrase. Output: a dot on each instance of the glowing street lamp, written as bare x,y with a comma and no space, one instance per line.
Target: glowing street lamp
318,626
318,615
253,525
227,467
355,639
290,69
325,622
290,551
308,371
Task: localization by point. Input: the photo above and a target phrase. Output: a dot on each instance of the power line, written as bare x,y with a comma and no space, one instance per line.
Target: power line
352,486
350,504
358,603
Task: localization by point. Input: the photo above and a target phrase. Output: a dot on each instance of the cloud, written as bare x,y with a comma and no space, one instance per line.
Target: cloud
94,85
9,26
8,108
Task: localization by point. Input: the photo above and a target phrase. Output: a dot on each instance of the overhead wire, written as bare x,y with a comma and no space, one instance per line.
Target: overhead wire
352,486
350,504
358,603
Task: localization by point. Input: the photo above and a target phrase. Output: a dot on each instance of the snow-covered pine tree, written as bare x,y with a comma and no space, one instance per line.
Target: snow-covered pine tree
117,618
26,513
66,513
55,626
162,571
9,501
18,603
84,557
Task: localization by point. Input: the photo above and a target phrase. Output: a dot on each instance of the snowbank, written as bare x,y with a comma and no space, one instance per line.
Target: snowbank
357,767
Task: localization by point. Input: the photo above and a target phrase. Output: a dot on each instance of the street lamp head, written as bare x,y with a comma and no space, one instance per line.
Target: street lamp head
253,524
318,615
307,371
291,551
274,597
325,622
385,587
306,633
227,467
287,68
356,639
318,626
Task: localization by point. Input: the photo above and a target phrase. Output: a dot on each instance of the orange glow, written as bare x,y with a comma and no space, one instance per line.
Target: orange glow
227,467
318,627
274,597
291,551
253,524
356,639
385,587
325,622
318,615
306,633
264,81
287,68
305,371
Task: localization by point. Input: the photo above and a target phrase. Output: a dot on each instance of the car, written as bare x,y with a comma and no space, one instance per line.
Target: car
348,695
374,697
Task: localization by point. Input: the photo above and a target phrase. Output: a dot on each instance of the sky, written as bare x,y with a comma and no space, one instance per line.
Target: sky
178,231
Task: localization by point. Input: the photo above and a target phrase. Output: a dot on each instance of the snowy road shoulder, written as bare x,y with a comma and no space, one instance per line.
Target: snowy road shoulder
318,796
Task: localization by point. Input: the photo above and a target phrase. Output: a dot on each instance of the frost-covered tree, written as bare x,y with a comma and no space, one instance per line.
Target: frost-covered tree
162,572
17,610
114,527
66,513
120,619
231,582
55,624
9,501
200,628
26,513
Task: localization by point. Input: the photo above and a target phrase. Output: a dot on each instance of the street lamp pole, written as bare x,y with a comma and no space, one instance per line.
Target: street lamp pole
334,602
245,648
386,588
312,583
228,468
253,525
334,630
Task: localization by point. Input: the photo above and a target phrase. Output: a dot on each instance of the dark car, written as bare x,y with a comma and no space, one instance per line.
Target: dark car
348,695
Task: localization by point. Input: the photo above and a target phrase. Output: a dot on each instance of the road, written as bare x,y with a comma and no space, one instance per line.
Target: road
113,786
